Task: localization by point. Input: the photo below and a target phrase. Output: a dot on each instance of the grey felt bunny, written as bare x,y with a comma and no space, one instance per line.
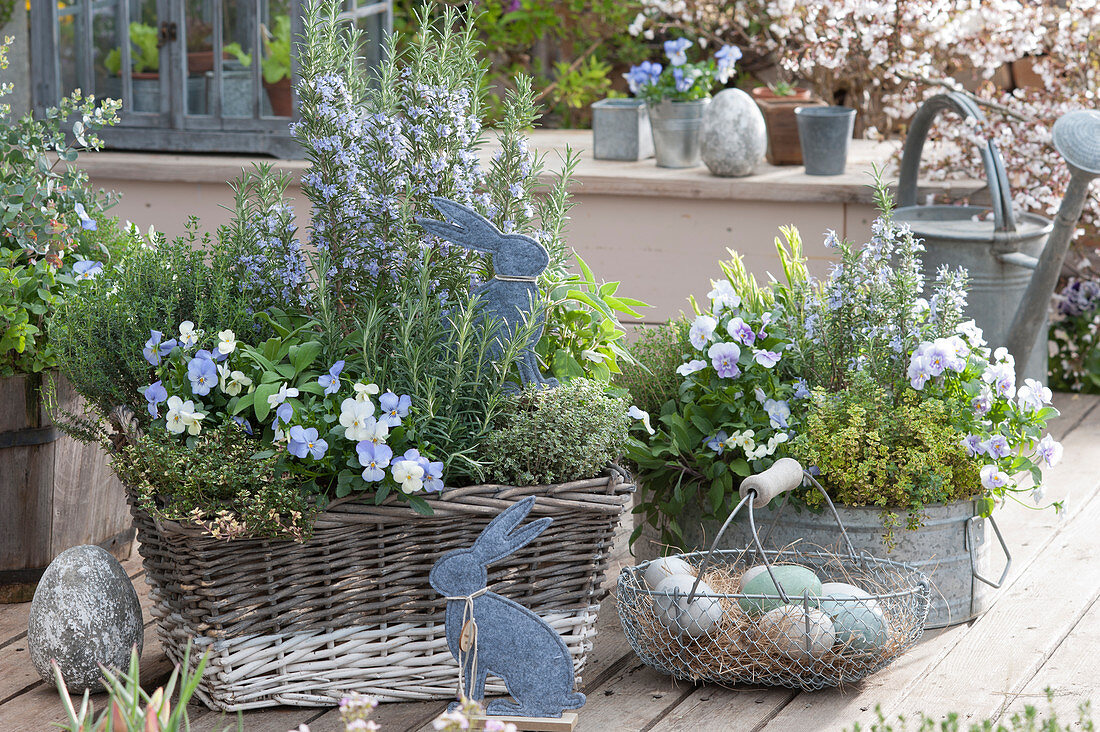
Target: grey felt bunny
512,642
510,296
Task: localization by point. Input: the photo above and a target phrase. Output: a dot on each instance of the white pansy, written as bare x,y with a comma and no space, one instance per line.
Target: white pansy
281,396
364,391
175,423
227,342
409,475
188,335
354,417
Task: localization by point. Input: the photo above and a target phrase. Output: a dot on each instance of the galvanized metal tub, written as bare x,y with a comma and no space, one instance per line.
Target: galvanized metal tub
999,251
953,547
677,132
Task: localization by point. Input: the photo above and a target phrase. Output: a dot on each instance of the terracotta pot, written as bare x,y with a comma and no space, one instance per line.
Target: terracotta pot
282,102
199,62
783,144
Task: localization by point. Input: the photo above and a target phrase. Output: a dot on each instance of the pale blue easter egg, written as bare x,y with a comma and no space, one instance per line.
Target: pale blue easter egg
796,581
859,622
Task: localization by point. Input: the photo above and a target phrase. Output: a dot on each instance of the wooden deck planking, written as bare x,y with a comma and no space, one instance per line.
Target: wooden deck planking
1070,672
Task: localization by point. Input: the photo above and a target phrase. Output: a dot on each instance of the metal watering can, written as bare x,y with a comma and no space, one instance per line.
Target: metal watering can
1014,260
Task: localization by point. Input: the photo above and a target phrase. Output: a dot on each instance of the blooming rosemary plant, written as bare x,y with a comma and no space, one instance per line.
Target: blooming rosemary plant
681,80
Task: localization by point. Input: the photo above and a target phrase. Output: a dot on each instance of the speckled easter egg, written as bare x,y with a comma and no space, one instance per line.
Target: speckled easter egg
857,618
85,612
664,567
695,618
791,631
795,581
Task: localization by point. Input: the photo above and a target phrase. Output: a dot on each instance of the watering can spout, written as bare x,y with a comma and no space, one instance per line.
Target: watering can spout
1077,139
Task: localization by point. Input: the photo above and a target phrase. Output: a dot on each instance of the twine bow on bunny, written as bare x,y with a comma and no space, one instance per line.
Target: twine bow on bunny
491,634
467,637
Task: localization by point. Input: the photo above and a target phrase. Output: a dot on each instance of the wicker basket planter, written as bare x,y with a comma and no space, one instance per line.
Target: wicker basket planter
351,609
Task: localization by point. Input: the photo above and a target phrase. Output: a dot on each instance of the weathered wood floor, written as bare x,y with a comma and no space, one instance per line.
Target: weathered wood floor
1043,631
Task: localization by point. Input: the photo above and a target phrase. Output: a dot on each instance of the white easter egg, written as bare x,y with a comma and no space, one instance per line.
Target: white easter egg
694,618
751,572
791,631
843,588
664,567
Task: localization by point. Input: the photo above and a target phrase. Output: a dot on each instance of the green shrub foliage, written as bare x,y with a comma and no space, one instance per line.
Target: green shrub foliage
557,435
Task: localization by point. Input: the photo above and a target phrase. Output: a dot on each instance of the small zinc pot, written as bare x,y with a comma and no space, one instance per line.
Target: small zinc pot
825,134
620,130
953,546
677,132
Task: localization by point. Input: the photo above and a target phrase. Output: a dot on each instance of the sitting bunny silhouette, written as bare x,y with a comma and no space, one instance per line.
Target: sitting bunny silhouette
512,642
510,296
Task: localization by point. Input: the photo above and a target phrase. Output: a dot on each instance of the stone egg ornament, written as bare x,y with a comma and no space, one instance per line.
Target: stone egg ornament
857,618
664,567
85,612
795,580
734,138
794,632
695,618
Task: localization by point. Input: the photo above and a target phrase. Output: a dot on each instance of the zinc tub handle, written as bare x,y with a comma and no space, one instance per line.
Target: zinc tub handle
972,546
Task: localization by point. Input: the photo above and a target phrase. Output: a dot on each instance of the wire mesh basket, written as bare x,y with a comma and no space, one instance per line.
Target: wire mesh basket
795,617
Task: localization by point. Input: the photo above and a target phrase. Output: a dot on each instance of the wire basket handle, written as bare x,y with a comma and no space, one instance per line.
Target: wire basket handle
758,490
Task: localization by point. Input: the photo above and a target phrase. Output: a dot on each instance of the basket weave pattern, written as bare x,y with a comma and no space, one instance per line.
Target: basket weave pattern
351,609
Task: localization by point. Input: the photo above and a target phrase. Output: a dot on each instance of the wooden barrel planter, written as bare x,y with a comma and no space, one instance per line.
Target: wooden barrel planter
57,492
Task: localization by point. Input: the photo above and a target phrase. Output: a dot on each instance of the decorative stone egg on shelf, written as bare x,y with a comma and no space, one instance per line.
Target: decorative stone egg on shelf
795,580
664,567
695,618
85,613
794,632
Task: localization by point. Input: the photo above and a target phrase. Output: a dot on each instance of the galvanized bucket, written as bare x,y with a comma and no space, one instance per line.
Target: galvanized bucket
999,253
620,130
677,132
953,548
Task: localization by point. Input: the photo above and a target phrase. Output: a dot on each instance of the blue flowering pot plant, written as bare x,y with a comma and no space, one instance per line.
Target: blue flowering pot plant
55,239
914,426
677,95
308,419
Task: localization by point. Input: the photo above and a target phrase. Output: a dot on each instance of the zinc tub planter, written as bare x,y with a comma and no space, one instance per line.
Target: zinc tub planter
350,609
954,547
57,492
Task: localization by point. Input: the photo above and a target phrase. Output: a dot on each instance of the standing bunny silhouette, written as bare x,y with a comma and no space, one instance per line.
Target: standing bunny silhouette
510,296
511,642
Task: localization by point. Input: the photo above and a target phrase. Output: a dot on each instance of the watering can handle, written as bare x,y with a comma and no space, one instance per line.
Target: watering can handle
997,178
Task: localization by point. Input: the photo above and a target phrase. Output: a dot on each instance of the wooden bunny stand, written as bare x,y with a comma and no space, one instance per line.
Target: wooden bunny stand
490,634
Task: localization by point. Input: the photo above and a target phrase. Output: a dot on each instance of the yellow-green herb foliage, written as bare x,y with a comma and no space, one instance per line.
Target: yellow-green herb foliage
873,450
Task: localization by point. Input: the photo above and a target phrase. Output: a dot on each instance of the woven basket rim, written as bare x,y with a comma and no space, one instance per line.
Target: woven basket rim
613,485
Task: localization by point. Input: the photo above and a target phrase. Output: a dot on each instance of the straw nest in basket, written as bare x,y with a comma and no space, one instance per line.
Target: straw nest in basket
771,647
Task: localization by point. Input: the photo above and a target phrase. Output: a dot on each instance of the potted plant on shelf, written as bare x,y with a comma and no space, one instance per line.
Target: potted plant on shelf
778,103
677,96
913,426
144,68
276,67
54,241
311,422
